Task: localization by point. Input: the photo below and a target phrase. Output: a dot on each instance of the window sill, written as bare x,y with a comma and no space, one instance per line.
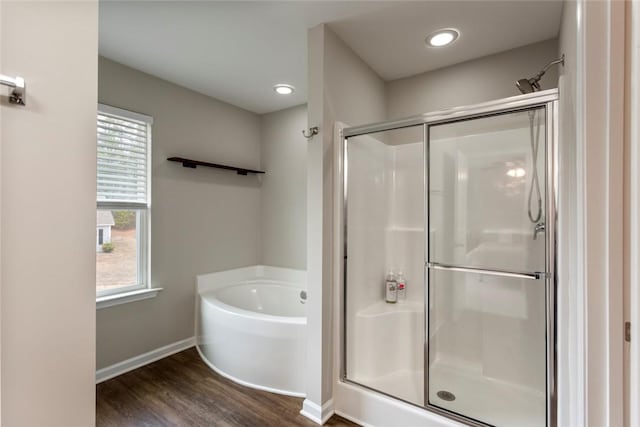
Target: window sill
126,297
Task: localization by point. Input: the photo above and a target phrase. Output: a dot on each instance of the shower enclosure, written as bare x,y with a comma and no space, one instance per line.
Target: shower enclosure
463,203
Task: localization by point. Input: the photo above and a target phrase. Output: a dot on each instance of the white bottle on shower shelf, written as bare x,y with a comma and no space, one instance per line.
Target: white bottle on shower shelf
391,288
402,286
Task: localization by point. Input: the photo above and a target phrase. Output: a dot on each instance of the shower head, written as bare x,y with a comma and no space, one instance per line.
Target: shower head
533,84
527,85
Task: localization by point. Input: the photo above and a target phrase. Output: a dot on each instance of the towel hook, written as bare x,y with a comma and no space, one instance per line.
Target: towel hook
18,94
312,131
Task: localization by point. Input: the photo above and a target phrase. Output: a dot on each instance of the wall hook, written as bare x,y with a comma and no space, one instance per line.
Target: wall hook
312,131
18,94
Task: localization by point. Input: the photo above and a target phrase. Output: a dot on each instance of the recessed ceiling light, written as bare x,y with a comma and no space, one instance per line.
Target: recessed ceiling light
283,89
442,38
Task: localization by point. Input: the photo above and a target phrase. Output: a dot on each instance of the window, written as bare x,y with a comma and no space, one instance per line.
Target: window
123,201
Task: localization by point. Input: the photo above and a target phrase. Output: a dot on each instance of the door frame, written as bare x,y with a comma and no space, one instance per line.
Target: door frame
633,258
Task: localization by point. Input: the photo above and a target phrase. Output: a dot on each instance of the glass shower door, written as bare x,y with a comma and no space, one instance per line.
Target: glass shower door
384,219
487,328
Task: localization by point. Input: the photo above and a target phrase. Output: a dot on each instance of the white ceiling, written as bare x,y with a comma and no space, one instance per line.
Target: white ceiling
236,51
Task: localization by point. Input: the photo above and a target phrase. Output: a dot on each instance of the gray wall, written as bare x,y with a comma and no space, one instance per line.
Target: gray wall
48,170
484,79
203,220
284,188
354,93
342,88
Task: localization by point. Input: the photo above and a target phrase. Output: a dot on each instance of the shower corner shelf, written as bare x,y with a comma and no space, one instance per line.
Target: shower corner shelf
382,308
188,163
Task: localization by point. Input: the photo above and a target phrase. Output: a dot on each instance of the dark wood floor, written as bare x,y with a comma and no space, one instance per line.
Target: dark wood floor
181,390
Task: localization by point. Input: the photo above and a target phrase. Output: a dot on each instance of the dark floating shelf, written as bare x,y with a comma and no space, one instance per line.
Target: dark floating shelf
188,163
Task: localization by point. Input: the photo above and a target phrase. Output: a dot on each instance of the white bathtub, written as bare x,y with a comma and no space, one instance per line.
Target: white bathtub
250,327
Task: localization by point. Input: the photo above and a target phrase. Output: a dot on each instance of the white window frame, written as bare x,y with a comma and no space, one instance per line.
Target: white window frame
142,289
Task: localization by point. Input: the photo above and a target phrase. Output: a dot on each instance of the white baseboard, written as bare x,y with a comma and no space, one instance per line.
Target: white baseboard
143,359
316,413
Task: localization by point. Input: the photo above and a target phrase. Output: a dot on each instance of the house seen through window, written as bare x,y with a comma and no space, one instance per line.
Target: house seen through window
123,201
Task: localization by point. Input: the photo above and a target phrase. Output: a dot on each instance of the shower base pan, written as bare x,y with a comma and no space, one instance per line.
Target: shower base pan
483,399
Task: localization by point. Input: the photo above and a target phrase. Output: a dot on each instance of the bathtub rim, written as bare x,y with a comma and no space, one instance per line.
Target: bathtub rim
247,314
214,280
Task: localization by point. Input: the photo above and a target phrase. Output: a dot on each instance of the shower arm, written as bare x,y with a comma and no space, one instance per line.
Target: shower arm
546,68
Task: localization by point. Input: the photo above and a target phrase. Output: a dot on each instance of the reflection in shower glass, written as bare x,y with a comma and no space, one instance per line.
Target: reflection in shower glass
385,231
487,329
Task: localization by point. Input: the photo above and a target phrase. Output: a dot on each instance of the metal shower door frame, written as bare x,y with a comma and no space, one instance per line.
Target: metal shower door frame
550,111
544,99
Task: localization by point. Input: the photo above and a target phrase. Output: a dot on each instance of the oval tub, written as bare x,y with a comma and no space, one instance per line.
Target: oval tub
250,327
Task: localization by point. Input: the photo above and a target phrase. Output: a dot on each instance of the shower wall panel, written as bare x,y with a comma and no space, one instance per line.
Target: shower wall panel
405,227
370,177
385,227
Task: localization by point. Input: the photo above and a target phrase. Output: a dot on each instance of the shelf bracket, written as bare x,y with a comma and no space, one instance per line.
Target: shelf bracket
188,164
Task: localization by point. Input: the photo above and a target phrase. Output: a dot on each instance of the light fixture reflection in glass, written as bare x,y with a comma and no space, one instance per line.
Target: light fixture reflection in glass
516,172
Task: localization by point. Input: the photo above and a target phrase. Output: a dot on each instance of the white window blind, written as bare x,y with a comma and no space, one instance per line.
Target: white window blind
123,156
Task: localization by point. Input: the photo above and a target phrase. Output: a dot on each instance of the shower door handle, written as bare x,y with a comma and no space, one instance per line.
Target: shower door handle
502,273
